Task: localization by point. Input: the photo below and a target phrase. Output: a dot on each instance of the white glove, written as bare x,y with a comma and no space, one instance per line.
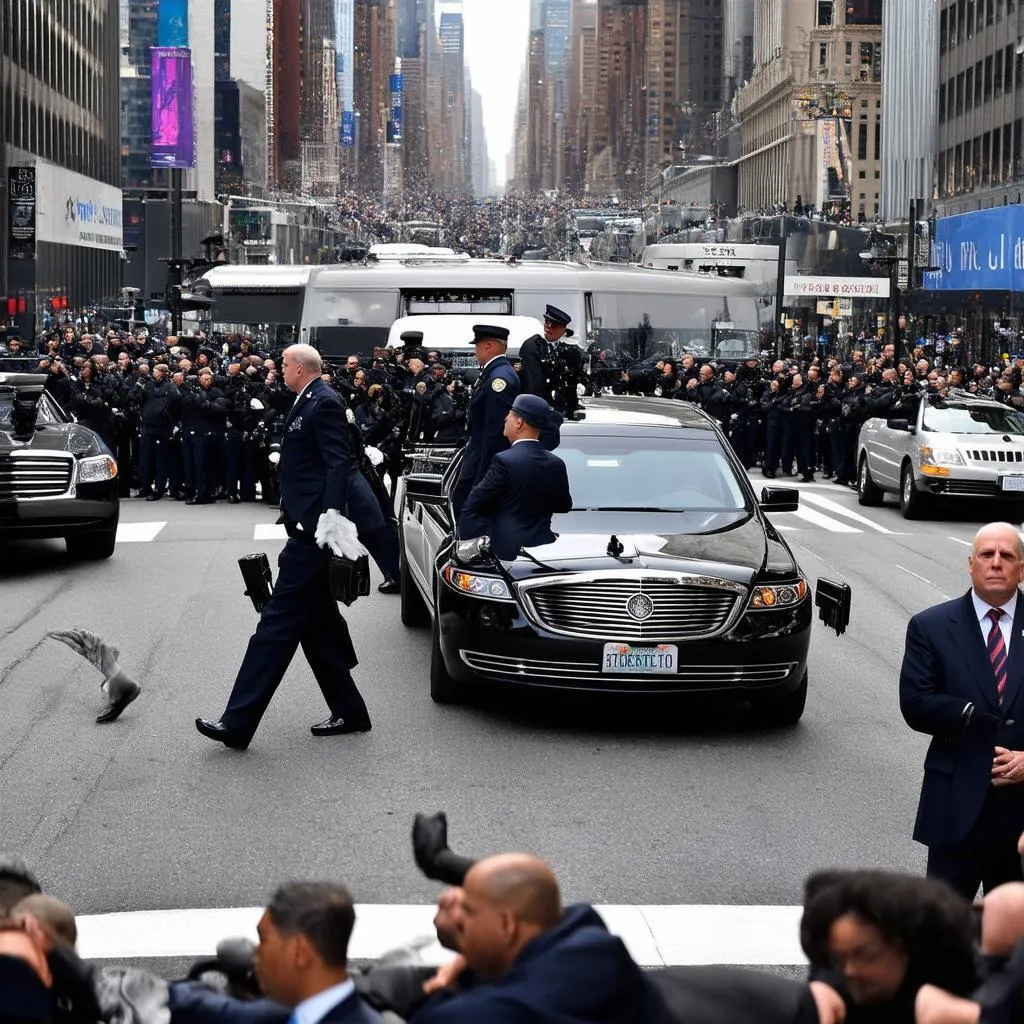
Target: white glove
335,531
375,455
256,404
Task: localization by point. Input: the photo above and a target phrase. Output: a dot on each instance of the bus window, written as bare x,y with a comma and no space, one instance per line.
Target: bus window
455,300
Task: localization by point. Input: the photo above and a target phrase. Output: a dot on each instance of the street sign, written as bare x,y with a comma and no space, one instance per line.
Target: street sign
811,286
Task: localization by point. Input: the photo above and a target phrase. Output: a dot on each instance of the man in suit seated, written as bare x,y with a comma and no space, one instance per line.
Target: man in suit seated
962,682
523,488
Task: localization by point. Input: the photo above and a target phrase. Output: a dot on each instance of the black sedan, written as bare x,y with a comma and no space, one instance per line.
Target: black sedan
666,576
57,478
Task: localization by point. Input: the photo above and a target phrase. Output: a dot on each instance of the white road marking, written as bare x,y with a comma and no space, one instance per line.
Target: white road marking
834,506
138,533
966,543
909,572
818,519
269,531
654,935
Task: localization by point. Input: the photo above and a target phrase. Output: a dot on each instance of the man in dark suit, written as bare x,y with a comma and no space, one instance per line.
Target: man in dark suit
316,467
302,959
961,682
524,487
493,394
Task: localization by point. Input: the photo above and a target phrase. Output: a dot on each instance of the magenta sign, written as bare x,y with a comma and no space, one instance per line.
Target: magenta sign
174,137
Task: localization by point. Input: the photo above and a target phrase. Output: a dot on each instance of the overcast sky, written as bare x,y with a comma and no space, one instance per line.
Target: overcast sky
496,39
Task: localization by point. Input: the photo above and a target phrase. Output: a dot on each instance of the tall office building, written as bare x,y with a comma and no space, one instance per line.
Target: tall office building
737,46
284,93
455,159
480,163
811,128
581,89
373,63
60,194
138,35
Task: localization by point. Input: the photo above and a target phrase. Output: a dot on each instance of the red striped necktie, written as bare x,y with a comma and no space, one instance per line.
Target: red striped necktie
997,651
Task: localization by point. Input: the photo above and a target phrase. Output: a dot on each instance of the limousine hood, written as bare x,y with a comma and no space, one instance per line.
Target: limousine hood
730,545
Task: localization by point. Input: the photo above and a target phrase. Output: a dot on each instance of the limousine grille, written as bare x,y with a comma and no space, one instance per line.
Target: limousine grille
34,476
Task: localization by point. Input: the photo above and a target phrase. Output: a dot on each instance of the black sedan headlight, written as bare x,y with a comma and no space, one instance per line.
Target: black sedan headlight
778,596
96,469
472,584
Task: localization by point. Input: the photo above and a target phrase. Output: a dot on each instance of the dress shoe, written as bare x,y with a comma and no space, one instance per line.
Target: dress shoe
222,734
234,499
154,497
115,708
337,727
390,586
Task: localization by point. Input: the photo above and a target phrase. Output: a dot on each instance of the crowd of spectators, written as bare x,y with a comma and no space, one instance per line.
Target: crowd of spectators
880,947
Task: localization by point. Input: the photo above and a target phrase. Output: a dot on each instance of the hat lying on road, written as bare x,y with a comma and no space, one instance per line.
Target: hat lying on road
486,332
533,410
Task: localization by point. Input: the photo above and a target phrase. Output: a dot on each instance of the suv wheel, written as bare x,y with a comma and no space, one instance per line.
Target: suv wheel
912,502
868,492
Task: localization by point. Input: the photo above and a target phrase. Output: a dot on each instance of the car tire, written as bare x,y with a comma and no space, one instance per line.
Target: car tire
785,712
443,689
413,610
868,492
913,503
92,545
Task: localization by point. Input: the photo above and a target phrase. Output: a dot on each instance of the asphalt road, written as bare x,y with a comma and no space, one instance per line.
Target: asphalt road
663,805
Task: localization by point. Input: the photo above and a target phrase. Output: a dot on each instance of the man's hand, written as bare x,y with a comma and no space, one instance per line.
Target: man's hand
831,1008
934,1006
1007,767
335,531
447,975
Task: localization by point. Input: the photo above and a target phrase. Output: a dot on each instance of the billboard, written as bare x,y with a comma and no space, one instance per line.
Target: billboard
172,23
74,210
174,137
21,213
980,251
394,131
348,128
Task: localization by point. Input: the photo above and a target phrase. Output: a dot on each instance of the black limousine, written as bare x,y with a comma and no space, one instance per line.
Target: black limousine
57,478
665,577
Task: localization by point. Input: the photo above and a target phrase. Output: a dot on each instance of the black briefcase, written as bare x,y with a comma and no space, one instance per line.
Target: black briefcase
348,578
257,576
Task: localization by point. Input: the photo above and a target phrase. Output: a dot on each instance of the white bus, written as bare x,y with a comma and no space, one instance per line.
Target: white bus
349,310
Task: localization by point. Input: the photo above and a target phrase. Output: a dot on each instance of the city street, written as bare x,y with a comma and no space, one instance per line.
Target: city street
663,805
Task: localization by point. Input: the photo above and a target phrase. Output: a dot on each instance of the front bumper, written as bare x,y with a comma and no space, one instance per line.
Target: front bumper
91,507
494,644
970,482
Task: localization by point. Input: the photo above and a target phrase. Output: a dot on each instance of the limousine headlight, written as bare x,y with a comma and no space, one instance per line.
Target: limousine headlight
474,585
96,469
779,595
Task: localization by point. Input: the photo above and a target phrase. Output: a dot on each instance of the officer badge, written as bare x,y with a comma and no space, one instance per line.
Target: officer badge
498,384
296,424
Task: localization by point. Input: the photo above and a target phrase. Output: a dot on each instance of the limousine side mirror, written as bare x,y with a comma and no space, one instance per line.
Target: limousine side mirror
902,425
425,487
779,499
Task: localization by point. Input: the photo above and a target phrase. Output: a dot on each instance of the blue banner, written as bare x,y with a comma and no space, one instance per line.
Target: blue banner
348,128
394,129
172,23
981,251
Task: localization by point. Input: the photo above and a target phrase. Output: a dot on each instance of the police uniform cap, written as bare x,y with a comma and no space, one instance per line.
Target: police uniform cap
558,316
532,409
487,332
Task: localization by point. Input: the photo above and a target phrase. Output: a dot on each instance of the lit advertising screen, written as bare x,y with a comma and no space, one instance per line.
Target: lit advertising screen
174,138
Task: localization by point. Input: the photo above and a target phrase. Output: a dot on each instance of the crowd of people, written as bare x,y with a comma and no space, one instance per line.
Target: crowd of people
880,946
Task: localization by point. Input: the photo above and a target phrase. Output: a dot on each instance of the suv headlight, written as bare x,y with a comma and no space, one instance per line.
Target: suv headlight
96,469
474,585
778,595
935,460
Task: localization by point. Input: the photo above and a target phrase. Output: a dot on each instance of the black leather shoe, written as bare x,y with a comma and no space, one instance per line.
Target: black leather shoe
390,586
336,727
113,712
153,497
234,499
221,733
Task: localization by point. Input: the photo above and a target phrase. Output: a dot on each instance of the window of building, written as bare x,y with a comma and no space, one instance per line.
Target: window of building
862,142
988,79
862,174
825,12
968,90
822,55
978,82
878,140
997,74
942,103
944,29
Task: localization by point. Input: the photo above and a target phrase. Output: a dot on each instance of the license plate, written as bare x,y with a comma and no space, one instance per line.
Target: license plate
1012,483
625,659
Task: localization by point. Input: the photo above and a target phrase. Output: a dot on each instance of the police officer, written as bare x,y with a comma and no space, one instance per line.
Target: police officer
537,352
493,394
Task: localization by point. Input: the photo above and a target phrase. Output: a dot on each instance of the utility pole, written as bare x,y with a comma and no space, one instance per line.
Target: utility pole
174,264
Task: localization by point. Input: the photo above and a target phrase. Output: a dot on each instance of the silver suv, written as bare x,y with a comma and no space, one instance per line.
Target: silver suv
961,446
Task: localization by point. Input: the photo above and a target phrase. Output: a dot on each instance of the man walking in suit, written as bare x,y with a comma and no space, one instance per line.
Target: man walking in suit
493,394
514,502
316,467
961,682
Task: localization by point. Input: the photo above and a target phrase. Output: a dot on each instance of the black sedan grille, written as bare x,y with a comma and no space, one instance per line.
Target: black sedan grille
34,476
605,609
569,672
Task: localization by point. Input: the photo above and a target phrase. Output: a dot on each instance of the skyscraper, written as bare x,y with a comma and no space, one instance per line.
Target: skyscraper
455,164
373,62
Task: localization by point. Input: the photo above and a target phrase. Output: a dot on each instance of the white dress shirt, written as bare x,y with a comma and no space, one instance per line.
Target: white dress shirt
315,1008
303,391
520,440
982,608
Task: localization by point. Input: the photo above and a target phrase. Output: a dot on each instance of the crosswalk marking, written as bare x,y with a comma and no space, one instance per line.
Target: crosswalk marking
834,506
138,533
269,531
810,515
654,935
